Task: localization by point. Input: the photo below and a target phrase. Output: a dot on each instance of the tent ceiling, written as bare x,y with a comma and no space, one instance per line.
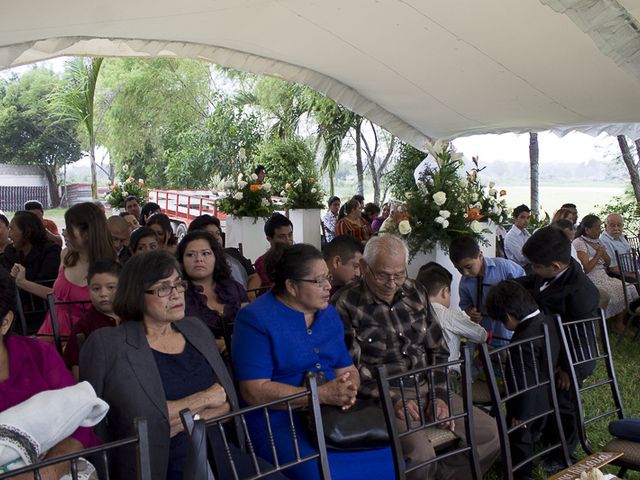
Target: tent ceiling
420,68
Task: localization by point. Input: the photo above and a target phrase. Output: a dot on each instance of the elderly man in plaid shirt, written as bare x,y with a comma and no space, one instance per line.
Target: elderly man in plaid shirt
388,321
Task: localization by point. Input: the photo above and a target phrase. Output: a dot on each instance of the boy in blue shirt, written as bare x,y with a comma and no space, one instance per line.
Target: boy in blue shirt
479,273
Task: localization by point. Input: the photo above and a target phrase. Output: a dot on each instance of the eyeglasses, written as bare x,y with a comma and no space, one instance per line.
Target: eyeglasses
382,277
319,282
165,290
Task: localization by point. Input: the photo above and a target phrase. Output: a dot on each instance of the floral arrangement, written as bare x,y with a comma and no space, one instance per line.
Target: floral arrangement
303,193
398,222
247,198
443,205
121,190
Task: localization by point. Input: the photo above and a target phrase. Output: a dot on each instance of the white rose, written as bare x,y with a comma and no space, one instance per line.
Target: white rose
314,190
265,202
439,220
282,193
444,213
464,183
445,224
477,205
492,184
140,180
404,227
239,176
238,196
266,187
298,182
228,184
474,197
476,227
254,177
492,191
439,198
287,186
242,184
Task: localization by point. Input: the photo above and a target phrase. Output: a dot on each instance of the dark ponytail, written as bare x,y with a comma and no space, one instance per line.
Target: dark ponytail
588,221
290,262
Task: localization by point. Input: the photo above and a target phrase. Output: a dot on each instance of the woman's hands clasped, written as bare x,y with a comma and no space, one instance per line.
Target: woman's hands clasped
340,392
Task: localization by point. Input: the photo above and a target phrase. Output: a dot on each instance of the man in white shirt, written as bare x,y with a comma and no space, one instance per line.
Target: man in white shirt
518,235
613,240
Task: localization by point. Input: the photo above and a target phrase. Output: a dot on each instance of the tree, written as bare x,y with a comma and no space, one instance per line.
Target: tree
379,151
401,179
534,162
75,100
29,134
631,165
286,161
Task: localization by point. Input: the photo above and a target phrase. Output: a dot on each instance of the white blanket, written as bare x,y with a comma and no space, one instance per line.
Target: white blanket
29,429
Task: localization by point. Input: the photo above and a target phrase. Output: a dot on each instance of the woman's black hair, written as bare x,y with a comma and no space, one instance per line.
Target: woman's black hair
587,221
221,270
351,205
509,298
137,235
290,262
7,293
203,221
147,209
138,275
31,227
165,222
332,199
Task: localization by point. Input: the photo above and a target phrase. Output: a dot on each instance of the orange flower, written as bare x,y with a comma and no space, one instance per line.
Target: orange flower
113,187
474,214
255,187
141,183
503,193
131,180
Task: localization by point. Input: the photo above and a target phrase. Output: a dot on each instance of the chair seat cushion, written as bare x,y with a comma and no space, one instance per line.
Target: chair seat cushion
631,450
480,392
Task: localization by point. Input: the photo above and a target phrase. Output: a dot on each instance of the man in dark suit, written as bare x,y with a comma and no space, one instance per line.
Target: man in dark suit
510,303
559,286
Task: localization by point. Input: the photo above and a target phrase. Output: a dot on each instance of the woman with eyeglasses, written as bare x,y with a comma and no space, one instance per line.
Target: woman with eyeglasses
155,364
281,336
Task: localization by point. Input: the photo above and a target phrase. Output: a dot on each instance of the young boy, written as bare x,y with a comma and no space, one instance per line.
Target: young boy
510,303
454,324
103,282
479,273
559,286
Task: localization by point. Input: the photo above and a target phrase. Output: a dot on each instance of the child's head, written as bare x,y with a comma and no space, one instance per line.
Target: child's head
509,302
548,250
437,281
466,256
103,282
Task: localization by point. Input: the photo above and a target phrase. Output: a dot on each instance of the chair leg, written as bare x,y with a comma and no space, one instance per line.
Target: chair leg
622,471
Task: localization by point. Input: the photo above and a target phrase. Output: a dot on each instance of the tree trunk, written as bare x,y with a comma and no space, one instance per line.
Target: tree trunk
637,142
52,180
533,165
94,173
631,165
359,166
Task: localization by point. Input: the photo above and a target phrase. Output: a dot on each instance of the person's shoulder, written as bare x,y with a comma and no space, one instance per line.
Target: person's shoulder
348,294
193,326
29,346
51,247
508,266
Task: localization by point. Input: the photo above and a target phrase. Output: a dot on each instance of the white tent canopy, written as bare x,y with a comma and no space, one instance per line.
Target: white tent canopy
420,68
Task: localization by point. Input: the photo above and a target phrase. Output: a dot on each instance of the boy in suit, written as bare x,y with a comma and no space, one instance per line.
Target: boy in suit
559,286
510,303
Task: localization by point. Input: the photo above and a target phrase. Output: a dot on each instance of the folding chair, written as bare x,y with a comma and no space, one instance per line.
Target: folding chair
194,470
98,456
30,310
517,365
73,316
629,275
411,386
598,350
634,243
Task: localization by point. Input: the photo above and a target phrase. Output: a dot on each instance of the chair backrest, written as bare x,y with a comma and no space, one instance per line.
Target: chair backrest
30,309
68,307
522,375
412,386
627,263
99,456
216,426
594,350
634,243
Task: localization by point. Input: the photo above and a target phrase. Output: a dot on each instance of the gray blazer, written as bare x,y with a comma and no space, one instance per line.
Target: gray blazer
120,365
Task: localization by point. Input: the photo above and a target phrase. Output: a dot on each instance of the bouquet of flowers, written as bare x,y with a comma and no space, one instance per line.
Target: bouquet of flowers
121,190
303,193
439,203
484,203
247,198
398,221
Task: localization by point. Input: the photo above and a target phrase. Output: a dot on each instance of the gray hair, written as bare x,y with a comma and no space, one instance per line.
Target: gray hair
606,220
385,244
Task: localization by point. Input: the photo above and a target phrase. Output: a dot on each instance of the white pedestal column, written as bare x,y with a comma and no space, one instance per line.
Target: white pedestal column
306,226
440,256
250,233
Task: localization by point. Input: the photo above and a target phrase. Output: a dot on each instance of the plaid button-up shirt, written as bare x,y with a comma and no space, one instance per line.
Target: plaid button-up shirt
402,335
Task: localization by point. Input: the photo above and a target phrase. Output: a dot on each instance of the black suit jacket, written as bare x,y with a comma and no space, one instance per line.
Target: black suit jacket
522,366
118,362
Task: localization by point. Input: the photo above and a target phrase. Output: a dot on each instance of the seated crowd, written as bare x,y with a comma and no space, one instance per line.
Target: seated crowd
153,338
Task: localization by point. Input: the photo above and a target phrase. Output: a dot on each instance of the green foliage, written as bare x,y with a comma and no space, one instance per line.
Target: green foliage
121,190
483,203
28,133
286,161
400,179
305,192
247,198
213,148
627,206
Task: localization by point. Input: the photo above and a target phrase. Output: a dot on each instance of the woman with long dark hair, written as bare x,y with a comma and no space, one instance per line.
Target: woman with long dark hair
161,224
